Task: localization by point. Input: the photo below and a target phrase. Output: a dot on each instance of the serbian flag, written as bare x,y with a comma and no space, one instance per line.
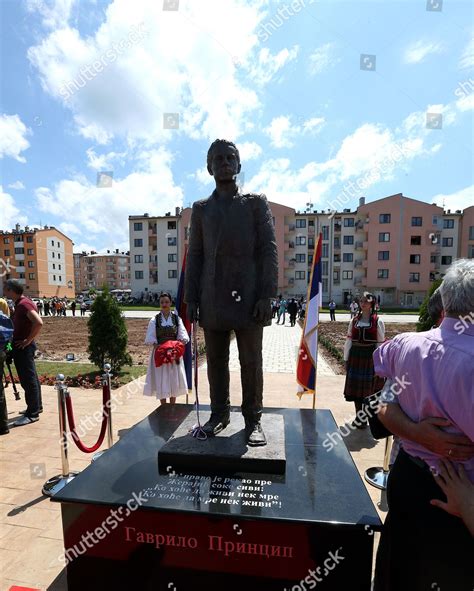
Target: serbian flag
308,350
181,309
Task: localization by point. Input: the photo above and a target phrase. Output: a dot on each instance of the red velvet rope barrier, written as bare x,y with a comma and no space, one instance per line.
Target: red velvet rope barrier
103,427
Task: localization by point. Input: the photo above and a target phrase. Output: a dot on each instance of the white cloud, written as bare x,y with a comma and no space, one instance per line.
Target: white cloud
322,58
12,137
466,61
282,131
17,185
417,52
54,13
249,151
459,200
134,79
267,65
69,228
202,175
103,212
9,212
466,103
103,161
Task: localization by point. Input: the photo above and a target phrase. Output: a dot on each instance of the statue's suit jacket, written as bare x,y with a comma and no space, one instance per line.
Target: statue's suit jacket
232,260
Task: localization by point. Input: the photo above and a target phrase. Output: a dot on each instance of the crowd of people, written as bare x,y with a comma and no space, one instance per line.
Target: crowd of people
296,308
57,306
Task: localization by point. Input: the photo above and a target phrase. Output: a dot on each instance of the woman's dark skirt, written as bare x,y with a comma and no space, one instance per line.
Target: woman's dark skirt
421,547
361,380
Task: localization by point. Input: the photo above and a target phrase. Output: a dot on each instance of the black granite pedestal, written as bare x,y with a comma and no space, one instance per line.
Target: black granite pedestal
127,525
227,451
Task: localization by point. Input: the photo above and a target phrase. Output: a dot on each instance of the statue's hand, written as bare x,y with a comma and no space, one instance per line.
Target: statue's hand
263,311
192,311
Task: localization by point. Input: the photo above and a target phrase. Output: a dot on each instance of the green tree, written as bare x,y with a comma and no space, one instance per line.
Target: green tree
425,322
107,333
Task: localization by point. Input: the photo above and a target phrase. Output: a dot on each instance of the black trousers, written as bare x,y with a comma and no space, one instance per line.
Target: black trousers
249,342
421,547
25,366
3,401
332,314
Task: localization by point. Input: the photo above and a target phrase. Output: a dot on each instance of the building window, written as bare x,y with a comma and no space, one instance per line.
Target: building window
52,242
171,241
54,277
348,240
384,236
172,225
54,266
310,222
138,226
311,242
416,221
138,242
30,251
433,258
59,255
300,258
300,240
31,264
324,268
19,251
325,232
138,258
415,240
471,232
448,224
6,241
310,260
59,278
347,257
6,252
414,278
384,255
384,218
59,267
347,274
172,258
337,242
415,259
172,274
301,223
382,274
335,276
337,258
348,222
138,274
325,251
435,220
30,240
31,275
325,284
447,241
446,260
300,274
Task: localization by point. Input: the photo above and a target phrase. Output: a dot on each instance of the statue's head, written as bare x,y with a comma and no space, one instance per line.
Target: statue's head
223,160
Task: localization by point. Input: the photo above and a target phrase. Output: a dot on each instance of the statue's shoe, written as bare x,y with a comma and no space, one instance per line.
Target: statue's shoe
216,424
255,435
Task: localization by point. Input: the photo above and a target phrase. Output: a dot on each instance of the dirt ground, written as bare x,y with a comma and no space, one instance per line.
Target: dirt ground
336,333
60,336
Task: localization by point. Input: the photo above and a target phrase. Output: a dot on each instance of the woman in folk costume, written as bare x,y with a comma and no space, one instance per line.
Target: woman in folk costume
365,333
166,375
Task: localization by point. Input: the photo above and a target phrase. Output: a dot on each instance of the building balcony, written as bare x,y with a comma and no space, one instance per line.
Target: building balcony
365,245
311,230
337,227
337,246
358,263
359,245
358,281
359,225
365,263
291,263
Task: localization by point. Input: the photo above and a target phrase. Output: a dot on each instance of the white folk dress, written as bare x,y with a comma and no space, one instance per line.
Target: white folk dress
170,378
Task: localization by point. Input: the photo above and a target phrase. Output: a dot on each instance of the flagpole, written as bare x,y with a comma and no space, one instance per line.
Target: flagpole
317,345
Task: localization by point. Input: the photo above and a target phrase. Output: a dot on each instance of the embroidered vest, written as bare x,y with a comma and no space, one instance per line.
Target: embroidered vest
365,335
166,333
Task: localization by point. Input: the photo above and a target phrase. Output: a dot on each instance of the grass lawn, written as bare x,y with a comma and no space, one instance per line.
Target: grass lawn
382,311
71,370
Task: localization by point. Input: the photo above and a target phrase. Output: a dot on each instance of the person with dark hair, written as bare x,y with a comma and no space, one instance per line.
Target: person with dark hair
6,333
292,311
168,379
231,277
332,310
435,307
365,333
27,323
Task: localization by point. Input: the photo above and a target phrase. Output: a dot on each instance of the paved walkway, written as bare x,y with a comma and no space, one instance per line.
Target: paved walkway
280,351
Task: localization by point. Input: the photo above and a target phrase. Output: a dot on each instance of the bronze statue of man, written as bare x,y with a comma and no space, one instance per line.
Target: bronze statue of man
231,276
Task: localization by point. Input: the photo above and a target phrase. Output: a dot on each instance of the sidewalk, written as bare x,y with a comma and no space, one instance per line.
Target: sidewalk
30,525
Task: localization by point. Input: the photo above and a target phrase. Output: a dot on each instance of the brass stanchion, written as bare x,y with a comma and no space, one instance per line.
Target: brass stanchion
106,381
378,476
57,483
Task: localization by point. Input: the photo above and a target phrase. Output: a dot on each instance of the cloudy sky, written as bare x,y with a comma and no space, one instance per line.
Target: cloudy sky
327,101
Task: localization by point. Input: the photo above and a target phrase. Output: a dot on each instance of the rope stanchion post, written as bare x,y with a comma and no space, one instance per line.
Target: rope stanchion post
378,476
106,383
57,483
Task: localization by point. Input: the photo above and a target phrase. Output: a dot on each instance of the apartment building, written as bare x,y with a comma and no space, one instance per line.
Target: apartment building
40,258
93,270
394,247
155,254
